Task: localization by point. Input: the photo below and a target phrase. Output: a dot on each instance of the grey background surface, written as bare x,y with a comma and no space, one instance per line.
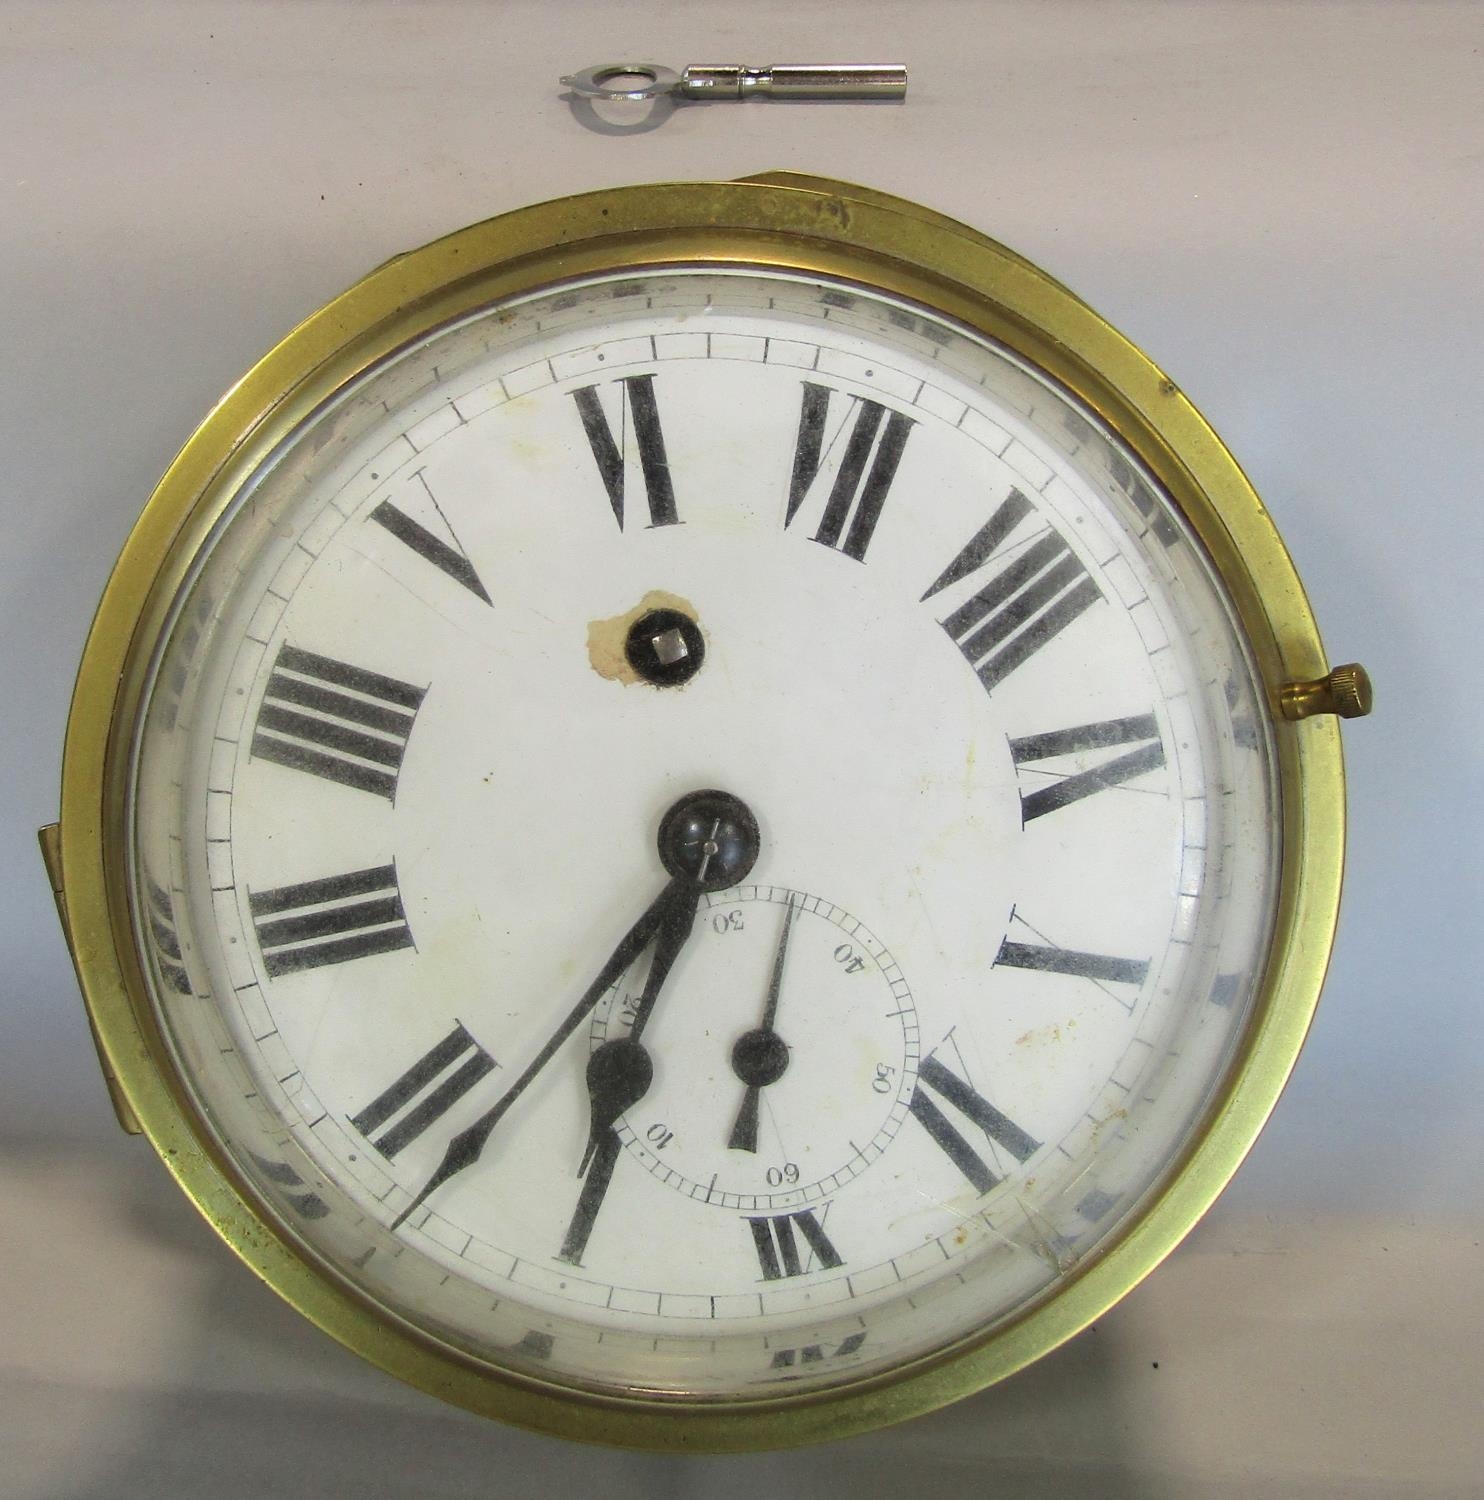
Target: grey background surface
1282,204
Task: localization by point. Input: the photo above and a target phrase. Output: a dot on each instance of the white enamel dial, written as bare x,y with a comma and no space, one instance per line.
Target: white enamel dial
999,793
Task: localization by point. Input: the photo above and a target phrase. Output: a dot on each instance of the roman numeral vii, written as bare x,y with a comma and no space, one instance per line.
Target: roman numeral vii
867,467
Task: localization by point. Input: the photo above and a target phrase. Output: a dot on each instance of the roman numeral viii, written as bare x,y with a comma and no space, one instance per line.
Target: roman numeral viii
1027,601
335,720
425,1092
867,468
638,406
1000,1129
330,921
1068,787
778,1247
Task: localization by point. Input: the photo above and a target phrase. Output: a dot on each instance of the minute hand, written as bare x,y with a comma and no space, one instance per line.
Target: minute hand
464,1149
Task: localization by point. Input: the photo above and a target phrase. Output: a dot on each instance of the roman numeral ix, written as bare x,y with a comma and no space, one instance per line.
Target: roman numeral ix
609,455
1000,1129
1063,789
778,1249
337,721
425,1092
867,468
329,921
1027,601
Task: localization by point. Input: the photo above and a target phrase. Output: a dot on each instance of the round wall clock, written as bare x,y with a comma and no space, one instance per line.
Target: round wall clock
703,816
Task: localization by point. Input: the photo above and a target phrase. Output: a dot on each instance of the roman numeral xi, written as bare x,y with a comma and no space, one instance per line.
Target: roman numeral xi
337,721
998,1128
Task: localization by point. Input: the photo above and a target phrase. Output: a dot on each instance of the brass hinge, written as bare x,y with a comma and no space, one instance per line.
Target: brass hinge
50,839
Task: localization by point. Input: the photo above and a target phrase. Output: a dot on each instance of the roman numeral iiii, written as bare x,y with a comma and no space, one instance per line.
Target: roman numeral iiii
337,721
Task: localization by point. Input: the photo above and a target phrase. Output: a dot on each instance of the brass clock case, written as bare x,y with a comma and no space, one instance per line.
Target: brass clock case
801,224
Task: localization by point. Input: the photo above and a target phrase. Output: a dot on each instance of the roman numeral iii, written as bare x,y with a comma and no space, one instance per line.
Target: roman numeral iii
640,410
867,467
425,1092
1068,787
779,1252
999,1128
337,721
1028,599
330,921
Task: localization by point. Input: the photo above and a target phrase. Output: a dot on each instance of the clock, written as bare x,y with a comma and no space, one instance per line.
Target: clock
703,816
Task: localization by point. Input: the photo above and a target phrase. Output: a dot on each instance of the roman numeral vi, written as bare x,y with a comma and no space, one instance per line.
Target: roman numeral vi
609,453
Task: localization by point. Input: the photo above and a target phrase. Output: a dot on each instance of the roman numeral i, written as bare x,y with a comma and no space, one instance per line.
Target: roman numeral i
337,721
867,468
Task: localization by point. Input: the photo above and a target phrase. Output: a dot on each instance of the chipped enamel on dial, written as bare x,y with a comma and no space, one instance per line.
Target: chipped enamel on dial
963,663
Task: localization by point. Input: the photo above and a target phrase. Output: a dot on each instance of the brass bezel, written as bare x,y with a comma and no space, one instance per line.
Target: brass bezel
804,224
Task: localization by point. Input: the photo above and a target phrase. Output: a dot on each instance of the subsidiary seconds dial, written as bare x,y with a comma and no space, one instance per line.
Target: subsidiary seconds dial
800,1055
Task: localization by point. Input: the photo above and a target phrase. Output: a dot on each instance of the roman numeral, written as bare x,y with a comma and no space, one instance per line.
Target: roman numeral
813,1354
638,404
335,720
1071,961
974,1107
165,939
869,464
330,921
778,1248
1142,731
431,1087
1026,602
447,559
